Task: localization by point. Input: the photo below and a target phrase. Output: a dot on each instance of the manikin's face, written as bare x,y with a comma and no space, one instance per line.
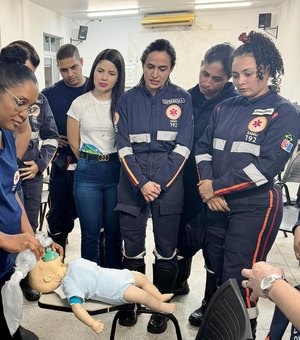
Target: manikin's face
157,69
245,77
47,276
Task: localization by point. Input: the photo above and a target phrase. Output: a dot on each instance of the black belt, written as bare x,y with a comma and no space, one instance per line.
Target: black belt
101,158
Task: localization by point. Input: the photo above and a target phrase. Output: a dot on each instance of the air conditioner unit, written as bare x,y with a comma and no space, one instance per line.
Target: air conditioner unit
168,19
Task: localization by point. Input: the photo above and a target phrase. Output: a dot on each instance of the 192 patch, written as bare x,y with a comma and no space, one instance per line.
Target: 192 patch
257,124
173,112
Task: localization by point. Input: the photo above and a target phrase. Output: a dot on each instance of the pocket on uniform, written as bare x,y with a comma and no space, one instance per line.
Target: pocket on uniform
129,209
170,208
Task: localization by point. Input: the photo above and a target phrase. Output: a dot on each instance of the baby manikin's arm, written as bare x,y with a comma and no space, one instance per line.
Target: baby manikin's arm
81,314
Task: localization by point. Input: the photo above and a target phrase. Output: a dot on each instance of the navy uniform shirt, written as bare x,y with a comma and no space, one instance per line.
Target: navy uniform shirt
60,97
44,130
154,134
247,142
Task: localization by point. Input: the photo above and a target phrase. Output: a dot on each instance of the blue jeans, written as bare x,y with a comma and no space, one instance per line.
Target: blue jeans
95,194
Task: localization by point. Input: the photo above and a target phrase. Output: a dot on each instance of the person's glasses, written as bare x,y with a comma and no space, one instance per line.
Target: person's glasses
21,105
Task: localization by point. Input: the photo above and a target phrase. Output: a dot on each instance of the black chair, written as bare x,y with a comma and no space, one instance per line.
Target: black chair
56,301
291,207
290,175
226,316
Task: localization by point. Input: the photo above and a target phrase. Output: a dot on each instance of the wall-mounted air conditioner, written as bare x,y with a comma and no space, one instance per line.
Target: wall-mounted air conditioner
168,19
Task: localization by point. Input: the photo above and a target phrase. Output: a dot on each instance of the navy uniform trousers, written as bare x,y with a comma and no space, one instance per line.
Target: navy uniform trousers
244,235
134,212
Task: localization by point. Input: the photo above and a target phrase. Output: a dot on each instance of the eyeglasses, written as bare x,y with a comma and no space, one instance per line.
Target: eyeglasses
21,105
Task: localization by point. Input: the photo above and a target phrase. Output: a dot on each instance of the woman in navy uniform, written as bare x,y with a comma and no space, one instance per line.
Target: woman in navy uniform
154,136
247,143
213,87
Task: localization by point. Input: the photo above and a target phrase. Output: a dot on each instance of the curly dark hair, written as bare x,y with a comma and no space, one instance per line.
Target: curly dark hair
13,71
265,53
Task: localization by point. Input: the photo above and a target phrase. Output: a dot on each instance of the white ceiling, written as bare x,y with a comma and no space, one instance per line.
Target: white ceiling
77,9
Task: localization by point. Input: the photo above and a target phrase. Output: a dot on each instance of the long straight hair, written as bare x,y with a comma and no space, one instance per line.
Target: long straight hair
115,57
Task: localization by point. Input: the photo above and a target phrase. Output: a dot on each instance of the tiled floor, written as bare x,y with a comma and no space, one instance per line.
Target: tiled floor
58,325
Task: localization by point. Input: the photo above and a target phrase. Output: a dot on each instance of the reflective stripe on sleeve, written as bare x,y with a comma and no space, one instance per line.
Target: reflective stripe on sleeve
182,150
140,138
130,173
34,135
246,147
219,144
50,141
166,135
127,150
205,157
255,175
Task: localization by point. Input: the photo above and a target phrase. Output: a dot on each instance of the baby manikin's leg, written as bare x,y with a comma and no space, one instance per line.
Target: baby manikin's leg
144,283
138,295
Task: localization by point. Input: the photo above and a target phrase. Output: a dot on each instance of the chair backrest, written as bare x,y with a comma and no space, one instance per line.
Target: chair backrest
292,171
226,316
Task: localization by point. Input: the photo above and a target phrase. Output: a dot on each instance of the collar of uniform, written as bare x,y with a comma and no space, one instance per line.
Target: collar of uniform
158,93
267,95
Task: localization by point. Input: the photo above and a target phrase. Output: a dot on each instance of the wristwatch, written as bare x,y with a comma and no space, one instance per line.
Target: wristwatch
267,282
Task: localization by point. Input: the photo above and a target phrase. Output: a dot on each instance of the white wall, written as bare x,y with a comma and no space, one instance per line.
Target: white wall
289,44
131,38
21,19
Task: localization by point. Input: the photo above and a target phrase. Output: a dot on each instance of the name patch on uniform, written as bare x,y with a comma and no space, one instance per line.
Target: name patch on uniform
257,124
260,112
173,101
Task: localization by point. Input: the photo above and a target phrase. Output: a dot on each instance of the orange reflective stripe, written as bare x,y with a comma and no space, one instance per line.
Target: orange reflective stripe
178,171
263,227
248,302
131,175
234,187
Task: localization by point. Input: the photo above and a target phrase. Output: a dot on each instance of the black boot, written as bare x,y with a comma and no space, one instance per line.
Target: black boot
26,334
29,293
164,279
196,317
184,271
128,314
